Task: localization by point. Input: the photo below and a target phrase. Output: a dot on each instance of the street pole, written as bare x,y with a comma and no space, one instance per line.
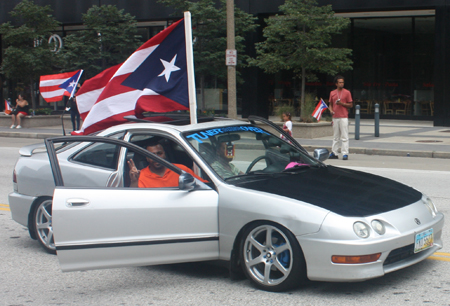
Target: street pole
231,74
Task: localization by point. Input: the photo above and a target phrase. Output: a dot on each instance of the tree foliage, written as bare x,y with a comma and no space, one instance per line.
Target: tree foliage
299,41
27,52
209,22
110,38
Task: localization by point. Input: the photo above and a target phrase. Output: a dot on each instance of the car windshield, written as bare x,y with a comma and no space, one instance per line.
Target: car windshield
240,151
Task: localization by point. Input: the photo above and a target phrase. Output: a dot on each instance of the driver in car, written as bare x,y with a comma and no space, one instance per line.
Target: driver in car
156,175
222,165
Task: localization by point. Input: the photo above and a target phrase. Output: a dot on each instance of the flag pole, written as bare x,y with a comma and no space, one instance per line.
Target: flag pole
190,67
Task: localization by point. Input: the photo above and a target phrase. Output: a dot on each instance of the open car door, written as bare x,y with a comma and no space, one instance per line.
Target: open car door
115,227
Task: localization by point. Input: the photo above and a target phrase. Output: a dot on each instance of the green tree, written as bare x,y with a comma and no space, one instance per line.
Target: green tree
109,39
299,41
209,22
27,53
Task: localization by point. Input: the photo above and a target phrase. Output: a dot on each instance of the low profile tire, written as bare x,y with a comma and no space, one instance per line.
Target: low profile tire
272,258
42,225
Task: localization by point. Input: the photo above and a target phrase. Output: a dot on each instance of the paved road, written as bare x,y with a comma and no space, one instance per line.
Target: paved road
30,276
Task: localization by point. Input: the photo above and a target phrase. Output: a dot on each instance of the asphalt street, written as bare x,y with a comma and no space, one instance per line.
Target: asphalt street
32,277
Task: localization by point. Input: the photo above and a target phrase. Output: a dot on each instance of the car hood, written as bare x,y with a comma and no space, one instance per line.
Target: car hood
346,192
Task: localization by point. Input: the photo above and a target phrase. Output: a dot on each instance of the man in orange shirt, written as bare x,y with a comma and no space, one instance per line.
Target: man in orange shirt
156,175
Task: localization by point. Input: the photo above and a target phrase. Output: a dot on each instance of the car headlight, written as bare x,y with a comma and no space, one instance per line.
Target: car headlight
378,227
430,205
361,229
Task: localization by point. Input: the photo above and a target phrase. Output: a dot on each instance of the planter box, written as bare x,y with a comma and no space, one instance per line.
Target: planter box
38,121
307,130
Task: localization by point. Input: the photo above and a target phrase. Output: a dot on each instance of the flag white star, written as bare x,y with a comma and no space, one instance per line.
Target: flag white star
72,84
168,68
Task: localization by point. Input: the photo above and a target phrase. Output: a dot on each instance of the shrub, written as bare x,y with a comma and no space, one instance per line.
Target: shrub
43,111
310,105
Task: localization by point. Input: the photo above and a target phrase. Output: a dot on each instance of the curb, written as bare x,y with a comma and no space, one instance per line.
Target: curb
28,135
384,152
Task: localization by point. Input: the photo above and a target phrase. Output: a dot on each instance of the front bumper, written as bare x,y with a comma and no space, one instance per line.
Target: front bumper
318,253
20,206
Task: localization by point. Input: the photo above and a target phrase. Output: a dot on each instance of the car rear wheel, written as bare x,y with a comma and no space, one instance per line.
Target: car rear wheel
272,258
42,223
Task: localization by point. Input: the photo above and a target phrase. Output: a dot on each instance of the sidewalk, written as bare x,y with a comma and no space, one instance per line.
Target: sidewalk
397,138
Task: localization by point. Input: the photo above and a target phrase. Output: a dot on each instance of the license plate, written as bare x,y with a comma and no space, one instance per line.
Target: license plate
424,240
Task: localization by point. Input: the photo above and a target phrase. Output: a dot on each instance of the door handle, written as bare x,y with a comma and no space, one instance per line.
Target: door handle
77,202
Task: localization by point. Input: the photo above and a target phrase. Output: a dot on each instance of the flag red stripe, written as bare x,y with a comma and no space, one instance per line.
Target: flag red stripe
49,88
98,81
64,75
106,123
157,104
54,99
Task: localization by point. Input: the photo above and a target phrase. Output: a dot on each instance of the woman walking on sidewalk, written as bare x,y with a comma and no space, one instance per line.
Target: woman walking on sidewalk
21,110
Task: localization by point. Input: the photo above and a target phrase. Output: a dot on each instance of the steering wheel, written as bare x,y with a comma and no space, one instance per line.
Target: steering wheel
253,163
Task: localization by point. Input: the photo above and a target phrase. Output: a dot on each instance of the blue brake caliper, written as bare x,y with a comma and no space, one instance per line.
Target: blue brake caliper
284,258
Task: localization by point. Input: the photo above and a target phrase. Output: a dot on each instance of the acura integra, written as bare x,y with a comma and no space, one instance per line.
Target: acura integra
262,204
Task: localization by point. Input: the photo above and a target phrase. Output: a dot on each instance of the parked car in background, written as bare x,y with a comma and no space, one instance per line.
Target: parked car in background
281,217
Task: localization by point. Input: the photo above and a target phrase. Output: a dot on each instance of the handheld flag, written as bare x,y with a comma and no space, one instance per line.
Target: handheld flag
153,79
53,87
321,106
8,108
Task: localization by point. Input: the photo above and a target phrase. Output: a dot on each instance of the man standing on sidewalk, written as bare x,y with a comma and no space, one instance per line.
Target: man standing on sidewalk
340,102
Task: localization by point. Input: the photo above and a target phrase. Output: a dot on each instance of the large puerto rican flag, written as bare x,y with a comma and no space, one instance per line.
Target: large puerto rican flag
153,79
53,87
88,94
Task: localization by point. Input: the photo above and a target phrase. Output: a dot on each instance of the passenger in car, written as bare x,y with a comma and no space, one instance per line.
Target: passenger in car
156,175
222,165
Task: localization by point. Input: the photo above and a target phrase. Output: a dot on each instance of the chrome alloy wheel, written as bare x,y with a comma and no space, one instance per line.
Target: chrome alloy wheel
268,255
43,225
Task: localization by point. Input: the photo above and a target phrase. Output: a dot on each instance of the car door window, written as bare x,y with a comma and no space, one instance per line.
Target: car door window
174,153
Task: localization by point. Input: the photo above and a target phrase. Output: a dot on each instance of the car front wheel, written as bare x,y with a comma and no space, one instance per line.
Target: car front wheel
272,258
42,223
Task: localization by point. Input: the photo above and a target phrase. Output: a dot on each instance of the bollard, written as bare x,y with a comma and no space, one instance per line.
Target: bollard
357,121
377,120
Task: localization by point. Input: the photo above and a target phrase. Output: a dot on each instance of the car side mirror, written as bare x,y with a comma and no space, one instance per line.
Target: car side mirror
321,154
186,182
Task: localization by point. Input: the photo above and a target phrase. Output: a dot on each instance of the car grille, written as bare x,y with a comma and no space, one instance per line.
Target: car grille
399,254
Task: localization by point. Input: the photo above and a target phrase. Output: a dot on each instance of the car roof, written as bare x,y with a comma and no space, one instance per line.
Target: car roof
214,122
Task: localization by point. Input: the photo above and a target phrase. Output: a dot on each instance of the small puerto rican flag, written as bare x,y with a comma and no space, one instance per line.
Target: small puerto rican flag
321,106
8,108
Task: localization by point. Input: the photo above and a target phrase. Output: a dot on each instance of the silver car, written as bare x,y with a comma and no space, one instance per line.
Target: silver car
276,214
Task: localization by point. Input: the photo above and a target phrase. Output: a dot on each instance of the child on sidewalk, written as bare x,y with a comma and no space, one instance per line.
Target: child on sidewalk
287,126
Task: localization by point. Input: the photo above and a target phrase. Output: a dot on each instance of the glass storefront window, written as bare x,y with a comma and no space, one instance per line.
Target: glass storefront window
382,70
393,64
423,65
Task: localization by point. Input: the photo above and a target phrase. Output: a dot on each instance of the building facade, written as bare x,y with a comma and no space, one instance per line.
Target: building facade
399,53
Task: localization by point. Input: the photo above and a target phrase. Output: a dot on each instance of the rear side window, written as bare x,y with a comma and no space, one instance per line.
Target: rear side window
104,155
99,154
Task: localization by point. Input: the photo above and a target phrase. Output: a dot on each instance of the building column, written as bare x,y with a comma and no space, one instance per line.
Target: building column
442,66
